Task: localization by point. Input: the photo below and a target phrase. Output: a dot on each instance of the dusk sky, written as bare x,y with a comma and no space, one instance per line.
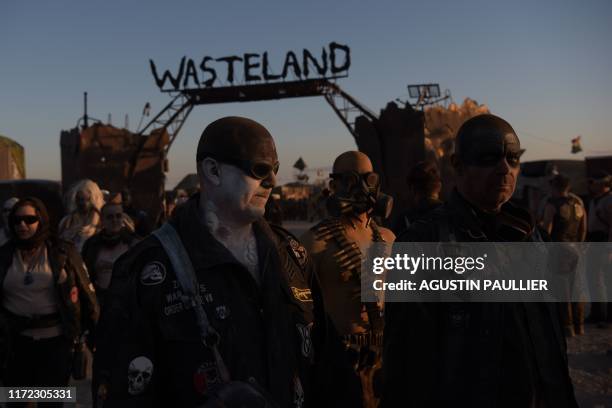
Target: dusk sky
545,66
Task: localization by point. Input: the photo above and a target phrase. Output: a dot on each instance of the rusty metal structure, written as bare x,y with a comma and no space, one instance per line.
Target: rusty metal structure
116,158
12,159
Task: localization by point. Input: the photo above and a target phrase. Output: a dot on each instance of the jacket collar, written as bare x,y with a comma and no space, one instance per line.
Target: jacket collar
512,223
203,248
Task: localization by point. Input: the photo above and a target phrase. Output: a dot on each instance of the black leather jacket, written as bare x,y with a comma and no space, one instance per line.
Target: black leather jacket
149,348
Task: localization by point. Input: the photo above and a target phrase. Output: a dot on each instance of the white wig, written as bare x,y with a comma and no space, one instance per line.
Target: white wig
86,185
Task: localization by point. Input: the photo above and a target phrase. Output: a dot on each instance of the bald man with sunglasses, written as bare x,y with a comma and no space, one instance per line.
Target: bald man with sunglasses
217,306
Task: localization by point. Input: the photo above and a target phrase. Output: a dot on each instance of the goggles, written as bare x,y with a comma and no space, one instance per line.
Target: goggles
352,178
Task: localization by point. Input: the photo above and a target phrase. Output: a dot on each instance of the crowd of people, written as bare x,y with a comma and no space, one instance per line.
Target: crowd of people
219,307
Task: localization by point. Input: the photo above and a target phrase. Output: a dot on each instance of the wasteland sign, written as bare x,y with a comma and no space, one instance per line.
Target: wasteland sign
333,62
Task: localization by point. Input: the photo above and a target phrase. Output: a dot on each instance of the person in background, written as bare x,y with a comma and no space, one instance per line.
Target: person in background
600,230
181,196
102,250
142,220
274,212
46,298
565,220
424,185
84,201
5,233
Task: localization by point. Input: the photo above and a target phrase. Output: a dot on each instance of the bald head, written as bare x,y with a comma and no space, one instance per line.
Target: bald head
486,161
234,137
485,139
353,161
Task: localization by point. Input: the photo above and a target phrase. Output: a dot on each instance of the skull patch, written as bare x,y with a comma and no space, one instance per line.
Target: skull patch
140,372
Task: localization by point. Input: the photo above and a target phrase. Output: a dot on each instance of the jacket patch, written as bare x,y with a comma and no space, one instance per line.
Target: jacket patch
140,372
74,294
153,273
298,251
303,295
222,312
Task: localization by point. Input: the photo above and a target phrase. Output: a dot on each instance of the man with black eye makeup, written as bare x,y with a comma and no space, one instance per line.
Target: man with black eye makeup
477,354
217,307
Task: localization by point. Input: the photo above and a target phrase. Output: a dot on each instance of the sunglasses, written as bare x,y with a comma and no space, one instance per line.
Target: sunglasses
352,178
257,170
28,219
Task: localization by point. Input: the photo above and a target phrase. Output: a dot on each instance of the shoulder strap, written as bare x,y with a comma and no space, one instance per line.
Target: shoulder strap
186,276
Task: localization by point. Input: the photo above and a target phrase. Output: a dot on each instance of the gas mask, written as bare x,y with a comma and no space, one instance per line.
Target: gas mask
357,194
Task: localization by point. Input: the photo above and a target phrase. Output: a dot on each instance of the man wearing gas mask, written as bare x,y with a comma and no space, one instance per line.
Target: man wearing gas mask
337,246
477,354
215,308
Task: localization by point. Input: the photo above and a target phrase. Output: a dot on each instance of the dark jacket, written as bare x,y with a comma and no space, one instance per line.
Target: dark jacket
265,330
406,218
78,307
474,354
91,249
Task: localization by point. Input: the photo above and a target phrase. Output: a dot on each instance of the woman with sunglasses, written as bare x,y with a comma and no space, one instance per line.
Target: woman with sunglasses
46,298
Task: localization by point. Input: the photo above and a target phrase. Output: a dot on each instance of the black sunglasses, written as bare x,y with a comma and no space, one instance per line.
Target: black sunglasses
257,170
28,219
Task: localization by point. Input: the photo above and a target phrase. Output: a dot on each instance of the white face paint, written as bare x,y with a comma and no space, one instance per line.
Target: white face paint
140,372
243,197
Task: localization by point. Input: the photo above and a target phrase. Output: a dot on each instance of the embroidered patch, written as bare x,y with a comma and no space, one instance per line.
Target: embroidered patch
173,309
305,331
74,294
153,273
298,250
206,375
303,295
222,312
140,372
